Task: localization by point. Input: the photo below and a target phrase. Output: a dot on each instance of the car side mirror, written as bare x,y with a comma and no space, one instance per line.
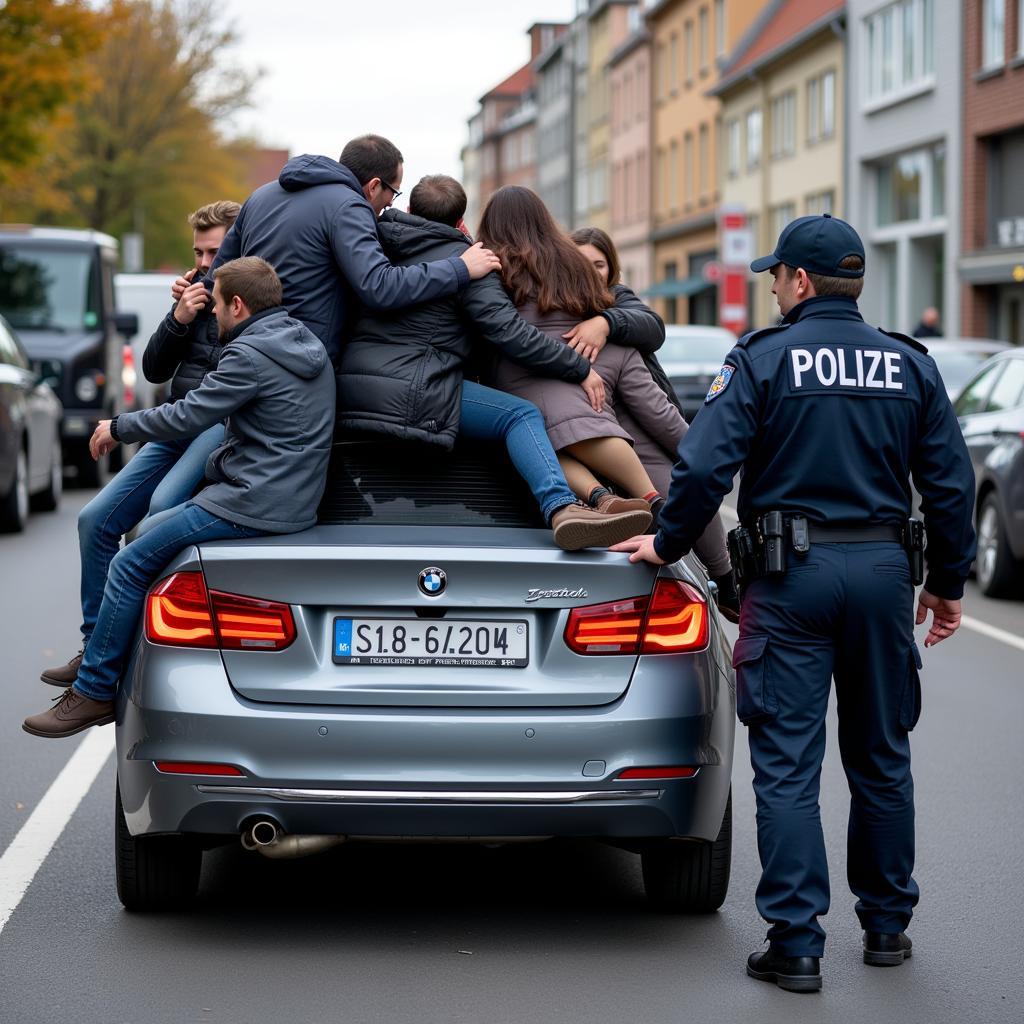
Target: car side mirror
126,324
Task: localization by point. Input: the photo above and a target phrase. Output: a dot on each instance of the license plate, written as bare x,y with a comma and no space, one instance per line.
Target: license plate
447,643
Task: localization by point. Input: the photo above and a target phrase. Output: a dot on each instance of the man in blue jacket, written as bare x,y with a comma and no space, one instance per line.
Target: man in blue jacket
829,418
274,385
317,225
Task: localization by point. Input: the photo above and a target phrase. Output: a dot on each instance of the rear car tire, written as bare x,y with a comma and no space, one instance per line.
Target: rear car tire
14,505
690,877
154,872
996,567
47,500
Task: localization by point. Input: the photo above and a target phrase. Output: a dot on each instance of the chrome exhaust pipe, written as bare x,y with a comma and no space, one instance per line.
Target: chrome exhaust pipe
269,839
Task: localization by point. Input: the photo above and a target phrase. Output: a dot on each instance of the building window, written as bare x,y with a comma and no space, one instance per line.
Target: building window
673,62
993,33
688,167
704,38
673,188
821,107
732,148
783,126
688,51
703,159
781,215
754,139
1020,28
911,187
660,72
660,187
899,48
720,27
818,203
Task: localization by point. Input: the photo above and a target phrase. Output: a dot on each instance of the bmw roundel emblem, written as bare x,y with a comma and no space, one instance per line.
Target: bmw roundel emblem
432,581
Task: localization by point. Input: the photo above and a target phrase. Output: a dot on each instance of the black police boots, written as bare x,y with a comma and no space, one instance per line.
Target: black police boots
793,973
885,950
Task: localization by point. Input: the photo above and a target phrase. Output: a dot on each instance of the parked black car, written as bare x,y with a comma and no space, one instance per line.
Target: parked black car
991,413
57,291
30,447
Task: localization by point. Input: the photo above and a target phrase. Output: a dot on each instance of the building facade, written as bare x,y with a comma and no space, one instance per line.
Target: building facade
629,149
688,39
782,125
554,70
904,156
992,263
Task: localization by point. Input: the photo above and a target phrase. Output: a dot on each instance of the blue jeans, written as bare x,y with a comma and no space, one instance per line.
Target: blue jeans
490,415
163,474
132,572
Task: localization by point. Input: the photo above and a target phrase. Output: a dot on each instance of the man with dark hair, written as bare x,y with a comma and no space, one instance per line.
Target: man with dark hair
183,349
268,476
828,418
317,224
401,374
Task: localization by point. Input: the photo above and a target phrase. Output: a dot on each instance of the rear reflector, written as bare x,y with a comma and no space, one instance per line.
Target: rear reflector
196,768
658,773
672,619
181,612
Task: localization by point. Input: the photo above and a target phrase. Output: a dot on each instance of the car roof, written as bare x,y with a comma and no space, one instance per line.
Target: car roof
964,344
28,233
698,330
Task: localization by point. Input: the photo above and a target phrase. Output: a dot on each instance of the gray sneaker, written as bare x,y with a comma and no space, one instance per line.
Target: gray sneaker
580,526
63,675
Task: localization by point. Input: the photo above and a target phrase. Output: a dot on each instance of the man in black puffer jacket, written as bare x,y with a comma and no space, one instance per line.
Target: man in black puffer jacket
401,373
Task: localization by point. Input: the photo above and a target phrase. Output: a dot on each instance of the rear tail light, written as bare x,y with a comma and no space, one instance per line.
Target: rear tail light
197,768
129,378
181,612
672,619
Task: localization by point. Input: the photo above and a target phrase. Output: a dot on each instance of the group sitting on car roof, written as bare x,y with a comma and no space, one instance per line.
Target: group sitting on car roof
314,269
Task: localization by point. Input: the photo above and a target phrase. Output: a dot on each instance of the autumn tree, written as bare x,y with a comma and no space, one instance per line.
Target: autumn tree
42,46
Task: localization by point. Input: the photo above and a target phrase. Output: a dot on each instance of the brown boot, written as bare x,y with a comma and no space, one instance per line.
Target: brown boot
580,526
63,675
613,503
71,712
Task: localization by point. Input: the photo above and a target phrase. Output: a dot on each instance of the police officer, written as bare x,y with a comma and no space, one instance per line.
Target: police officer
828,418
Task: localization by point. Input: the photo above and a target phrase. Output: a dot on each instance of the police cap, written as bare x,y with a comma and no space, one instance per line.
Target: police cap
818,244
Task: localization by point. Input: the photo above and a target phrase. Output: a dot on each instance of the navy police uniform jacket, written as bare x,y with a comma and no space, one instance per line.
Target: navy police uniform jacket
828,417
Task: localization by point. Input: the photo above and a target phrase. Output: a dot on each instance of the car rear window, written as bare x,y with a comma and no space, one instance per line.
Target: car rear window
391,483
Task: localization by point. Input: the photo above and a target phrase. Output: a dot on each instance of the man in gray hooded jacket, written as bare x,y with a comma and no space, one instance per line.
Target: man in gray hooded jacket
275,387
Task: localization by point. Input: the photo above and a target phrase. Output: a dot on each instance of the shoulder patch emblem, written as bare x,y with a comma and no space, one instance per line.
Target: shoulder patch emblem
720,383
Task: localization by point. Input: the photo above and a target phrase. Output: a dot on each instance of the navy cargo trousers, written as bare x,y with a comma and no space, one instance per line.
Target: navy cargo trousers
842,611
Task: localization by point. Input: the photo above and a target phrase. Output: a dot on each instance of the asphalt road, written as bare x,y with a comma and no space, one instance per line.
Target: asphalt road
552,932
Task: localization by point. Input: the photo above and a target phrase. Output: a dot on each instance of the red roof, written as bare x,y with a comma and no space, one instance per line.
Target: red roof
515,85
789,20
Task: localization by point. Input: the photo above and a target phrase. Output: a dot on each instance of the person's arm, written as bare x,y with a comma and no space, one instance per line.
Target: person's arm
647,404
943,475
224,391
167,347
377,282
486,305
633,323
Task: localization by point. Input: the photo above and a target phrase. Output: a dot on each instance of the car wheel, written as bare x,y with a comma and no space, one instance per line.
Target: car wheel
14,505
154,872
49,499
996,566
690,877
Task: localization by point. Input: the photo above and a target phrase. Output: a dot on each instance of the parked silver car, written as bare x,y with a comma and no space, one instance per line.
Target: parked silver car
691,357
424,664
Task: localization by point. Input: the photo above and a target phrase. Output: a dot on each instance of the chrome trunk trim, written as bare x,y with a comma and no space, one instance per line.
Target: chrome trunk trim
432,796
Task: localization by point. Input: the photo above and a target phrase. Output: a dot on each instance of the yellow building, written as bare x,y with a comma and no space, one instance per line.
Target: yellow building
782,125
689,39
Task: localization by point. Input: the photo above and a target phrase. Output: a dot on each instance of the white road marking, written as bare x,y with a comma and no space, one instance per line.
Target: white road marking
967,621
31,846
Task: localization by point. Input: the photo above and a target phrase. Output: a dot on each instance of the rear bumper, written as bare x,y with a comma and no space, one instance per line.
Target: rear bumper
422,772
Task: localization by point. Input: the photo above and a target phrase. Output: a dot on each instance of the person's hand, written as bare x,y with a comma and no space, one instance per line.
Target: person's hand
594,387
945,617
641,549
479,261
193,298
181,283
588,337
102,441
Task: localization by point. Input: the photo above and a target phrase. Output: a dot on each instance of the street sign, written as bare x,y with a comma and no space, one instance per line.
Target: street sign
712,271
737,250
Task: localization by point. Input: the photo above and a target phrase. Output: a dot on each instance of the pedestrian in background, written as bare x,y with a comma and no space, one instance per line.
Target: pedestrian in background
930,326
828,418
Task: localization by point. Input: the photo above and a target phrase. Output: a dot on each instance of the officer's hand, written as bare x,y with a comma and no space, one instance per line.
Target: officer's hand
480,261
102,441
641,548
594,387
181,283
945,617
588,337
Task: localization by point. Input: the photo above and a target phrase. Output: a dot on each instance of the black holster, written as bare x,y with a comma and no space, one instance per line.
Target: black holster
914,542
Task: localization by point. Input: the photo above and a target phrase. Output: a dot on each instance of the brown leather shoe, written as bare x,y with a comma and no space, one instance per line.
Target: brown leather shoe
63,675
580,526
613,503
71,713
